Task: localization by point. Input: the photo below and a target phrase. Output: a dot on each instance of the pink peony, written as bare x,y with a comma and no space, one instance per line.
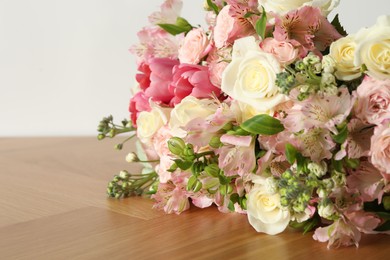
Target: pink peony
380,148
373,97
138,103
308,27
194,46
191,80
284,51
159,76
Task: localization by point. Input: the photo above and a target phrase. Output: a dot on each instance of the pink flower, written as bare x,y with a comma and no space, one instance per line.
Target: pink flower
380,148
194,46
340,233
192,80
171,198
217,60
159,76
373,97
138,103
237,156
319,111
156,43
169,11
316,144
367,181
284,51
308,27
231,25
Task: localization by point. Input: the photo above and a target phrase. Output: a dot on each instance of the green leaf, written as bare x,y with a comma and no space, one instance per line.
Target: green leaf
249,14
342,135
231,206
261,24
262,124
184,165
301,163
181,26
213,6
291,153
337,25
191,182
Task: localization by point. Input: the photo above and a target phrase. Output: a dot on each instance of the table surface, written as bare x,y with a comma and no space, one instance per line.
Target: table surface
53,206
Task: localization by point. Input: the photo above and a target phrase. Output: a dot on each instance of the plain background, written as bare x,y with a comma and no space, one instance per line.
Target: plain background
64,64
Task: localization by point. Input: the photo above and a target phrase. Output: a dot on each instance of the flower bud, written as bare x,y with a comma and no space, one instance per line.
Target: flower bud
176,145
132,157
124,174
386,202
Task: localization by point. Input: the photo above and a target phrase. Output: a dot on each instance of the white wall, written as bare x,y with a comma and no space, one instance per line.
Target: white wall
64,64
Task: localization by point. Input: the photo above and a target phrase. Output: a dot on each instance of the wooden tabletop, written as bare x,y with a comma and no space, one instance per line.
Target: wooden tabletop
53,206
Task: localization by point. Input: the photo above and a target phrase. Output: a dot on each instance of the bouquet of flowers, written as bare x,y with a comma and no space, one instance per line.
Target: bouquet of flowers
272,111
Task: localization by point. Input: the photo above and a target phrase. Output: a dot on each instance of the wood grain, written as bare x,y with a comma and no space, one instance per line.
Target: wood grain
53,206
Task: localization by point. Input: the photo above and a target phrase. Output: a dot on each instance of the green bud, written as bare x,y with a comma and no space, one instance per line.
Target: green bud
101,137
176,145
116,179
284,201
112,133
299,65
215,142
119,146
198,186
124,174
386,202
212,170
125,185
352,163
111,184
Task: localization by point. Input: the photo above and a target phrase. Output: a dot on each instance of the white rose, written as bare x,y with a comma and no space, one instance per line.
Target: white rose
343,52
250,77
149,122
187,110
264,211
284,6
373,48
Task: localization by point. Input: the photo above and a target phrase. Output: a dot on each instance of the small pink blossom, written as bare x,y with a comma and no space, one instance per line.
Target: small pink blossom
191,80
319,111
316,144
156,43
367,181
373,100
308,27
340,233
138,103
237,160
380,148
194,46
285,52
169,11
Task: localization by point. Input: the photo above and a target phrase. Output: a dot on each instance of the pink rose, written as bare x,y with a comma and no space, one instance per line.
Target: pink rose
380,148
138,103
191,80
159,76
373,104
284,51
224,26
215,70
194,46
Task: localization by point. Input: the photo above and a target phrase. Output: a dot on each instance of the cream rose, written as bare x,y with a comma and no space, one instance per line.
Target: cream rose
188,109
283,6
343,52
149,122
264,211
194,45
380,148
373,48
250,77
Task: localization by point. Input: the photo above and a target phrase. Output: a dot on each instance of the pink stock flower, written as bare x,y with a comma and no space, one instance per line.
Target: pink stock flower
284,51
194,46
340,233
373,100
308,27
138,103
380,148
319,111
159,76
191,80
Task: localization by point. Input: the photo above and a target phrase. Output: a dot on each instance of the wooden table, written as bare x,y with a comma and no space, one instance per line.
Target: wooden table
53,206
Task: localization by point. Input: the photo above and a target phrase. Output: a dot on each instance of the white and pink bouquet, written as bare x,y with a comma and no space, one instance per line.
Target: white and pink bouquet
272,111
